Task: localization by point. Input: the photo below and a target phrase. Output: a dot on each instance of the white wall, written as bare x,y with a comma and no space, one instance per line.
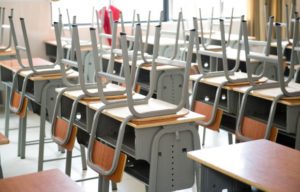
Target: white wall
37,15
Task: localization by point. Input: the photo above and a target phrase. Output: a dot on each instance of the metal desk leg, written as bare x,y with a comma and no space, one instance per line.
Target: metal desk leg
68,163
23,135
103,184
43,126
6,110
230,140
83,157
19,137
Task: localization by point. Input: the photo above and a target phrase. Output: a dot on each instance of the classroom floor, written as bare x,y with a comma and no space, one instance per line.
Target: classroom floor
13,165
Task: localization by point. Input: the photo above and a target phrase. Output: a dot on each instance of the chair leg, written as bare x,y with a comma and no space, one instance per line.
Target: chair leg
83,157
230,141
68,163
114,186
103,184
204,134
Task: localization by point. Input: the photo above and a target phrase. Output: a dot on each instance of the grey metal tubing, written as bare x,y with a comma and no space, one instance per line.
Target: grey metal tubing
24,86
99,68
111,63
6,110
111,77
271,116
211,24
180,20
2,30
247,52
184,90
249,78
65,140
14,84
201,30
28,53
13,33
2,15
287,17
147,32
215,105
118,143
139,35
197,44
230,26
243,106
26,42
80,64
282,81
60,55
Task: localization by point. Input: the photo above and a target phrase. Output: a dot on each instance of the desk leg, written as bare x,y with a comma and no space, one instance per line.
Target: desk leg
83,157
20,136
7,110
23,135
103,184
175,155
212,180
43,125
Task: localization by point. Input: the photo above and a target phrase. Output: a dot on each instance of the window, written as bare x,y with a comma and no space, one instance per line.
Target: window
83,9
190,8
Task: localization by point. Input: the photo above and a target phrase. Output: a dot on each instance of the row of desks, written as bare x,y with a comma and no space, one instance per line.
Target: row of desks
147,142
287,112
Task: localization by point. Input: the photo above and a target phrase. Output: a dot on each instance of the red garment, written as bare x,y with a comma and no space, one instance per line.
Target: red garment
106,23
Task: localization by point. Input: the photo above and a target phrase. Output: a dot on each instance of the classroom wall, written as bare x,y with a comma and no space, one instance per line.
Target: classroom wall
37,15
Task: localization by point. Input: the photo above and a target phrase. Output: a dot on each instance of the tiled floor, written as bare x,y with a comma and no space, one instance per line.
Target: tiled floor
13,165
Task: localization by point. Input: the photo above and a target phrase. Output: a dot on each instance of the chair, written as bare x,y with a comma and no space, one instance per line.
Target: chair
95,146
17,99
266,130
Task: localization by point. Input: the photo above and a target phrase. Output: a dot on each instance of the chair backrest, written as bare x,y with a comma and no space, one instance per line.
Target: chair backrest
206,110
102,155
254,129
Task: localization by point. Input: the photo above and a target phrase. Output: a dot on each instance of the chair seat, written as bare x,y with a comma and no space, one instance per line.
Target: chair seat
46,181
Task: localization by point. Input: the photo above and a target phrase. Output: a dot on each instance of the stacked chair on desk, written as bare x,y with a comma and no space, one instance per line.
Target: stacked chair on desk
284,88
64,131
18,100
226,77
99,149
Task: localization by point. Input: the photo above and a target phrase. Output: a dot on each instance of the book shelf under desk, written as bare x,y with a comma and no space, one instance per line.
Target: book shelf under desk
206,93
